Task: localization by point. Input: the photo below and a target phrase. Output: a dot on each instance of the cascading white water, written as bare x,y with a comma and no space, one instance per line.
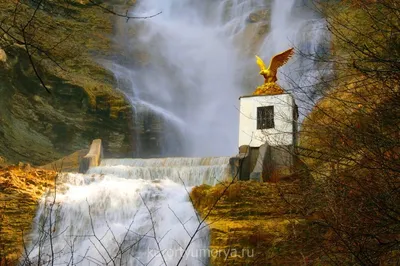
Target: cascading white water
114,213
190,171
199,58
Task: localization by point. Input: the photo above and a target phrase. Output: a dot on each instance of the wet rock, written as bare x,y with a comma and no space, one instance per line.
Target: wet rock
263,29
258,16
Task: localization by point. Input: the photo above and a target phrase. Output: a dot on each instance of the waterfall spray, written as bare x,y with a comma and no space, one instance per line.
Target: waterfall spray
197,64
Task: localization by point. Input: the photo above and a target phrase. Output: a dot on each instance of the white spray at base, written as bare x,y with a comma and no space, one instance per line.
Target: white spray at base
191,63
127,212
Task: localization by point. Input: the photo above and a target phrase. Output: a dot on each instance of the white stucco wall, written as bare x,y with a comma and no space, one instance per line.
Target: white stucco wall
281,134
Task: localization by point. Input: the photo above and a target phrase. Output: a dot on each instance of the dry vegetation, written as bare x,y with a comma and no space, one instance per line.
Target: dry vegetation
20,189
257,223
353,139
352,136
351,146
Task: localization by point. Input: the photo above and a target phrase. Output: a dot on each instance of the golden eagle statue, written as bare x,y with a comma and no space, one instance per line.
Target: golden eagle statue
270,87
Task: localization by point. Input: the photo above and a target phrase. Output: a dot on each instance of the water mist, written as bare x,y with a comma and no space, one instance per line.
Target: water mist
196,64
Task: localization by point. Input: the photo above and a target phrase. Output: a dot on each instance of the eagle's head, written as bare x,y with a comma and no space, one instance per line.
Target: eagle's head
265,72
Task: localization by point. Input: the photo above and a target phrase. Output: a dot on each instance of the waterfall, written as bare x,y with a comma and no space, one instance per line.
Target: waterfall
295,25
190,64
114,213
186,171
186,67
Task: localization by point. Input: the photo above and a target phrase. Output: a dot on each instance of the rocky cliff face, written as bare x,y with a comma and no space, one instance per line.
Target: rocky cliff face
38,127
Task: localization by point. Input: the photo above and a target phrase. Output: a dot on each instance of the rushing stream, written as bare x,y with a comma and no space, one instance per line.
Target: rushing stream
186,67
124,212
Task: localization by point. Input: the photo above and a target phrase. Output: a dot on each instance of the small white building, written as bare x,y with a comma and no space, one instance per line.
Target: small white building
270,119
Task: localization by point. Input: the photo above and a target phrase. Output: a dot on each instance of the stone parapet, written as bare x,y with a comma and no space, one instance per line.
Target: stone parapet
93,158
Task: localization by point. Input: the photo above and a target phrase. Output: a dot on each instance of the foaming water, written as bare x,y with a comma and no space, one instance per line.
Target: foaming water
169,162
124,212
192,62
185,171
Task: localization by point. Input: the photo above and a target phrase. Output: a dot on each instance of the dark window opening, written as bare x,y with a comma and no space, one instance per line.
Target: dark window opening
265,117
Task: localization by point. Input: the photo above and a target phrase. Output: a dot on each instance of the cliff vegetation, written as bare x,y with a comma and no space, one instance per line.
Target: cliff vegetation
55,46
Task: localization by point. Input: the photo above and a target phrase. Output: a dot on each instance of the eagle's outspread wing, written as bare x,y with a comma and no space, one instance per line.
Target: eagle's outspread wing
280,59
261,64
